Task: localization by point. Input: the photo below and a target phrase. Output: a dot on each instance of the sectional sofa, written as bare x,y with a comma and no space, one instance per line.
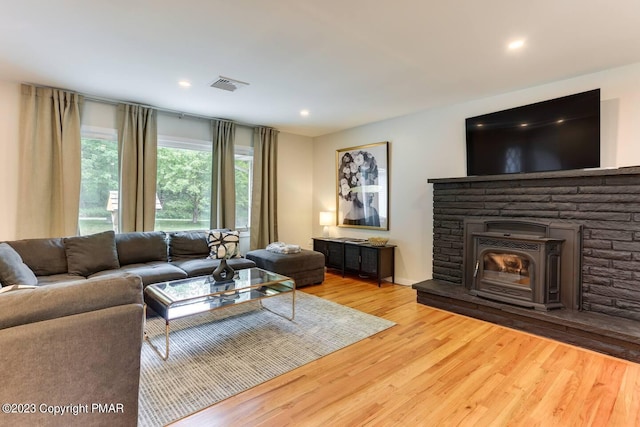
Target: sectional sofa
71,324
155,256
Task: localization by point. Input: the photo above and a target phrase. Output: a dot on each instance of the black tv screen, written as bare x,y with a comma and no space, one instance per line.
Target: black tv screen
559,134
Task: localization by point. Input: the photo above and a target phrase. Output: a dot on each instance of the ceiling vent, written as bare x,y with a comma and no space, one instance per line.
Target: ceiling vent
231,85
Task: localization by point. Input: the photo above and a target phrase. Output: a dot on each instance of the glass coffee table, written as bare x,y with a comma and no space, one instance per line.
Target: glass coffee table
186,297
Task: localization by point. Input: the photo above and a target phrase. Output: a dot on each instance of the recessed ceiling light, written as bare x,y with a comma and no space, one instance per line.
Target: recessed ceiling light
516,44
304,113
184,83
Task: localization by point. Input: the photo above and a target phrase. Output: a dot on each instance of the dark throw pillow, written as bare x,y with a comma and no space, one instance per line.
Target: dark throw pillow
190,244
89,254
12,270
141,246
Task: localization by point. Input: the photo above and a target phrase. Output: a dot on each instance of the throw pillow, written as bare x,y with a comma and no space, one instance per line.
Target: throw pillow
13,271
89,254
141,246
185,245
223,244
44,256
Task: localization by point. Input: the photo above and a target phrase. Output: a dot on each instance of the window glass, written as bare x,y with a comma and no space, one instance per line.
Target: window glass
99,180
183,180
244,180
183,184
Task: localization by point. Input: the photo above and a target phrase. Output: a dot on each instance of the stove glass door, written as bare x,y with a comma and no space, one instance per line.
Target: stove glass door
506,267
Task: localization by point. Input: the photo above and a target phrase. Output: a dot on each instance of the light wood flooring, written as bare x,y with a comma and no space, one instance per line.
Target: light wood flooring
436,368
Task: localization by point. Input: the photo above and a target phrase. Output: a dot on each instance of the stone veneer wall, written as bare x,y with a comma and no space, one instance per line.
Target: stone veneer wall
605,202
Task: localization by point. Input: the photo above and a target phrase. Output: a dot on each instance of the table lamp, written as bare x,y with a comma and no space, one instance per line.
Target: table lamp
327,219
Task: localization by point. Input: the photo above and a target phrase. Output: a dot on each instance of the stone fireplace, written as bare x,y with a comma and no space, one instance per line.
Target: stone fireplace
554,253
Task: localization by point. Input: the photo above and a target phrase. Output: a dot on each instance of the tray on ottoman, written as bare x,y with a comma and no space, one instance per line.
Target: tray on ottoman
305,267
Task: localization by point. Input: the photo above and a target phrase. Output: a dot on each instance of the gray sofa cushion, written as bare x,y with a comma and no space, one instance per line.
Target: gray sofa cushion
188,245
12,270
150,272
89,254
203,267
240,263
197,267
141,246
66,299
57,278
43,256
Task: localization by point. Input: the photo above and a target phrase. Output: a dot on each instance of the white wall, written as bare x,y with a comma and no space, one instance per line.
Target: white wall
9,116
295,189
431,144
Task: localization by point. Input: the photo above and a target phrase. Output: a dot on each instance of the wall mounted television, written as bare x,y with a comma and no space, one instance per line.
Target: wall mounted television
558,134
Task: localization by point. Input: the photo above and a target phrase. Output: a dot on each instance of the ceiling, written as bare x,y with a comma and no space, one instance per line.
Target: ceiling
349,62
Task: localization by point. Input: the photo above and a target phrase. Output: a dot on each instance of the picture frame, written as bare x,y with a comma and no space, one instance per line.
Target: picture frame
362,190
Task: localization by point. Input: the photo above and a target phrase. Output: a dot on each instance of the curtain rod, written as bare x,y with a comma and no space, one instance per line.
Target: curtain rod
164,110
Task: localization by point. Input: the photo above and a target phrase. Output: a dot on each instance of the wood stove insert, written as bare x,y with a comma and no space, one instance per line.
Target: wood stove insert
518,269
532,264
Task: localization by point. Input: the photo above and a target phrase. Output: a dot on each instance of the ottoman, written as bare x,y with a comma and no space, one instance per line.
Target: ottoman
306,267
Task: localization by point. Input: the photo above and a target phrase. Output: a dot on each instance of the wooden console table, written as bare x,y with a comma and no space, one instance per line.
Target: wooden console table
359,257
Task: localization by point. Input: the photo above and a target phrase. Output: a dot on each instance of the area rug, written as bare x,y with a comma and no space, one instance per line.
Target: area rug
221,353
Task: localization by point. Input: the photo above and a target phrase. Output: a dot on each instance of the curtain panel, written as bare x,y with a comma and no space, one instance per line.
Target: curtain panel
137,157
223,176
50,156
264,224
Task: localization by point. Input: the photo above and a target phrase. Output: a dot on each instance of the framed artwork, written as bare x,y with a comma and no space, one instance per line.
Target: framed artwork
362,194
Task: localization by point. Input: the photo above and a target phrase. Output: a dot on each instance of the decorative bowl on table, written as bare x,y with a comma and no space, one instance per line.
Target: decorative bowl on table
377,241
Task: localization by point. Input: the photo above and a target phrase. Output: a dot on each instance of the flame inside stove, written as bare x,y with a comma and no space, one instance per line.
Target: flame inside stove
507,267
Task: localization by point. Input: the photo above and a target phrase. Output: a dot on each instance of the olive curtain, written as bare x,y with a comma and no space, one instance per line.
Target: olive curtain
137,156
264,224
223,176
50,155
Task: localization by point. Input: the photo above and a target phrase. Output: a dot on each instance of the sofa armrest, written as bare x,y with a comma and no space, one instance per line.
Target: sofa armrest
66,299
73,346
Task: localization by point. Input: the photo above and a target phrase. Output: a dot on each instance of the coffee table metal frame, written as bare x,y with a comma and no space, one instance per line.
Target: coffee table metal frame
195,295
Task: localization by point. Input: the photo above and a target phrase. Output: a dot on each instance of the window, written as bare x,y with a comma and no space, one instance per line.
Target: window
183,184
99,180
244,181
183,175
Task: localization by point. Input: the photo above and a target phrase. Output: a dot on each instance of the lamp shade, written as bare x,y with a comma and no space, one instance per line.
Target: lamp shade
327,218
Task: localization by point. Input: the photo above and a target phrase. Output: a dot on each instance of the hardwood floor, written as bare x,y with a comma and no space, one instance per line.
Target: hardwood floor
436,368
